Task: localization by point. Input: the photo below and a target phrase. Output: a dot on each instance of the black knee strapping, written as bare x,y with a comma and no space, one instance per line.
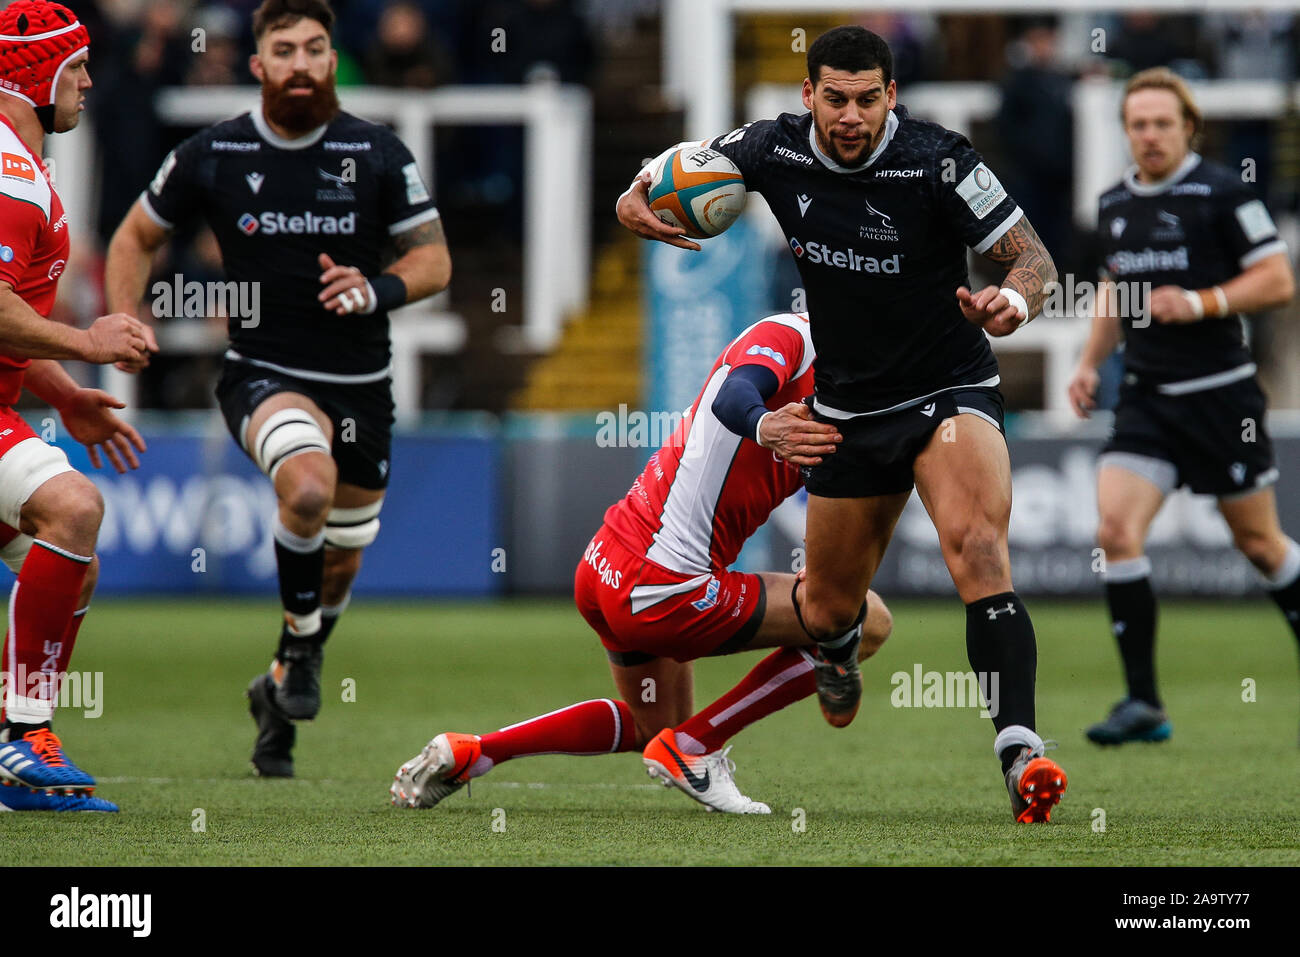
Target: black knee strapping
794,600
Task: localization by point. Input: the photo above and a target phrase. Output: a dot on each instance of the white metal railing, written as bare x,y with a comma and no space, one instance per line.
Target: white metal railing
557,169
557,122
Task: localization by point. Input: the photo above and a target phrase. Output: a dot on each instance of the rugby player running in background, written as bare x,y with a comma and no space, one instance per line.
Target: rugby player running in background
879,209
306,201
1190,410
655,586
50,513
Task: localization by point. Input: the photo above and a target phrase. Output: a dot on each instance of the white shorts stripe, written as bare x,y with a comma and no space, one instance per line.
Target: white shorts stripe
967,410
313,376
645,596
1202,383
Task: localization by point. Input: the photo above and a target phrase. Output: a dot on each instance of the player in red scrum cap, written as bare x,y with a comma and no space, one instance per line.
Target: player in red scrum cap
50,512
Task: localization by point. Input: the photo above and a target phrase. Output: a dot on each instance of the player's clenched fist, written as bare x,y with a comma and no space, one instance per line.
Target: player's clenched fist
793,434
119,338
990,310
347,290
634,212
1083,390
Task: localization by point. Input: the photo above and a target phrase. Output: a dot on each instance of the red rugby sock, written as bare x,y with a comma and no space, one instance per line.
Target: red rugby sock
600,726
782,678
41,607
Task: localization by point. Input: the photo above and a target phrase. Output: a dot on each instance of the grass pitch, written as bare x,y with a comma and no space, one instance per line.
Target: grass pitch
900,786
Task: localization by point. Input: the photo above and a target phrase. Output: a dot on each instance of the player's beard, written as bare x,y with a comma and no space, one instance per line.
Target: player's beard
296,113
831,148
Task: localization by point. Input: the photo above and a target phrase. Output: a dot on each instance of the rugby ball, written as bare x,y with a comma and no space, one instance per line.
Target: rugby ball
699,190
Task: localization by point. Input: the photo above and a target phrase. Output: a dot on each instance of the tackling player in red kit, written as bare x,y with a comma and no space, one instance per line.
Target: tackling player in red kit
50,514
655,585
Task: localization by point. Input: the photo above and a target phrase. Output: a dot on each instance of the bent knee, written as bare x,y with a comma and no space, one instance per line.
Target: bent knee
68,514
1119,539
309,498
830,619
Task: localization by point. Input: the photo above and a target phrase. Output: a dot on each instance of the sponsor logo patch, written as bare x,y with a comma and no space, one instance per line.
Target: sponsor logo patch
1254,219
13,166
981,191
416,192
273,223
710,596
1147,260
165,170
766,351
791,154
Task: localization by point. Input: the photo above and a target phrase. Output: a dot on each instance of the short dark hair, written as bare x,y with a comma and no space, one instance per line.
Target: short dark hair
850,48
277,14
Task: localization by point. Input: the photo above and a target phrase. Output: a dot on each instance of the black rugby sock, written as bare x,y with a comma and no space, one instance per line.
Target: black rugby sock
1003,653
301,565
1133,622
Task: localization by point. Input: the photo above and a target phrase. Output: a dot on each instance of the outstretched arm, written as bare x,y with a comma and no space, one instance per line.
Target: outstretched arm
87,415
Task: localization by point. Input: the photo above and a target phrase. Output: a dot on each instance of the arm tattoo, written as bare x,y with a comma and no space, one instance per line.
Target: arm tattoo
1029,263
426,234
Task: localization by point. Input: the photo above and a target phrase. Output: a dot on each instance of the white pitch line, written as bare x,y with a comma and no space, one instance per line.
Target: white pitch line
531,785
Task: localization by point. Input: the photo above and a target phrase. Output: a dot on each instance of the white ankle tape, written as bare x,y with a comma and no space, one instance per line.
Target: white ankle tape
1289,570
1128,570
295,542
1016,734
307,624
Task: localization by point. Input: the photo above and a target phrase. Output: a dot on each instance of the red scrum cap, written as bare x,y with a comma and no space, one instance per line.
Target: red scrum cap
37,38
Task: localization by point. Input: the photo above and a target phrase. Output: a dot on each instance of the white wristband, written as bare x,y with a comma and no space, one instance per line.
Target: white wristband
1194,300
758,429
1018,301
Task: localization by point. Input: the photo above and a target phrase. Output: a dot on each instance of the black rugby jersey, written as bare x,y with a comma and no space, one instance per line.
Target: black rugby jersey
881,250
1199,227
275,205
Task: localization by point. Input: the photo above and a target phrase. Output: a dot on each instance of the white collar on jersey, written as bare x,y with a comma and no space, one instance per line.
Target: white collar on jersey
278,141
891,127
1139,188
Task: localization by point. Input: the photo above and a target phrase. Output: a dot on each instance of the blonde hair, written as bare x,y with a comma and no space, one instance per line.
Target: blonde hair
1163,78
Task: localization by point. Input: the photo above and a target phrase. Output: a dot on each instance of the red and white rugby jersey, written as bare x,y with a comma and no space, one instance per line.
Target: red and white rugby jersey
33,241
707,490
